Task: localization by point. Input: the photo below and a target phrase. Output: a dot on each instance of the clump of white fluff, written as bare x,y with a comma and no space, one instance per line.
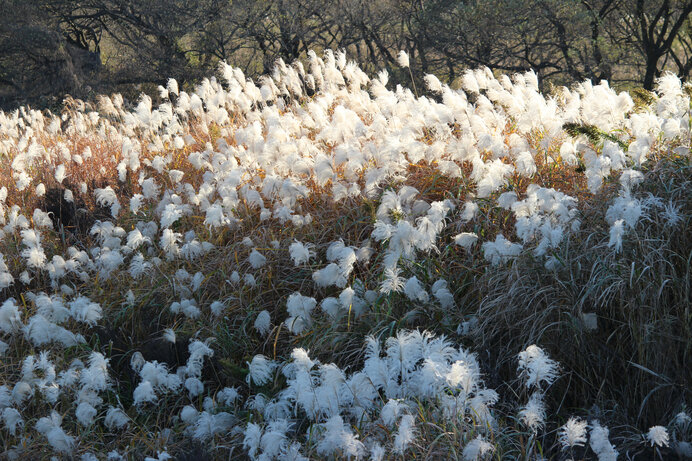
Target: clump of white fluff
573,433
477,449
261,369
658,435
600,444
263,322
50,427
466,240
257,259
536,368
301,253
299,309
501,250
533,414
337,439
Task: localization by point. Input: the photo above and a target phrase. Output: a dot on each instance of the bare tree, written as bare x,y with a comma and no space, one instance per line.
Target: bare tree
62,46
656,26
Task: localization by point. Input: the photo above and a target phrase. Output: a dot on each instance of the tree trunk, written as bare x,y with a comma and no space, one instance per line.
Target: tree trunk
651,70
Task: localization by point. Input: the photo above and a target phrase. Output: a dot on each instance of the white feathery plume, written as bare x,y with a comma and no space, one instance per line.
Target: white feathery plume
337,439
12,420
299,308
405,435
208,425
144,393
194,386
533,414
501,250
402,59
573,433
301,253
60,173
228,395
263,323
658,435
535,367
433,83
50,427
477,449
172,86
84,310
414,290
95,376
116,419
466,239
617,230
442,294
377,452
469,212
252,439
600,444
10,317
256,259
261,369
274,441
169,335
85,414
392,281
391,411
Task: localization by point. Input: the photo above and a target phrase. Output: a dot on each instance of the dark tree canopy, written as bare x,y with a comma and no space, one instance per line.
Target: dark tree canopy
52,47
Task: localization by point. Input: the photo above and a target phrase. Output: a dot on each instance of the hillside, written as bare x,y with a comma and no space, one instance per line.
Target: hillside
319,265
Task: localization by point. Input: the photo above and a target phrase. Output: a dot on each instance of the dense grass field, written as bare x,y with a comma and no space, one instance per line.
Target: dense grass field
317,265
